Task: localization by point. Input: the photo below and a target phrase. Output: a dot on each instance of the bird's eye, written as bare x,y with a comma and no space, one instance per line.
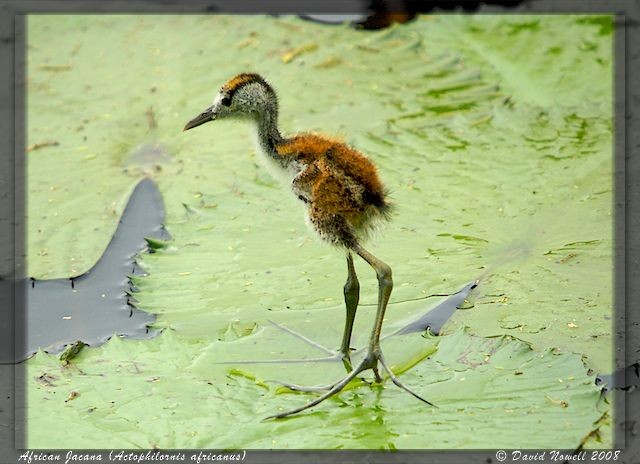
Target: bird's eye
226,101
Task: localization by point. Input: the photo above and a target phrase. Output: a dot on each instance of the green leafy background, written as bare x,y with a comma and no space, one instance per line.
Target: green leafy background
494,134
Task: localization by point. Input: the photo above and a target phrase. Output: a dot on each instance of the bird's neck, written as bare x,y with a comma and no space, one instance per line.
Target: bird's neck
268,134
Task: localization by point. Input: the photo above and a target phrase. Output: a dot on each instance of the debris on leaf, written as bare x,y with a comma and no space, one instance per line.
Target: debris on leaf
71,351
46,143
155,244
295,52
330,62
562,403
72,396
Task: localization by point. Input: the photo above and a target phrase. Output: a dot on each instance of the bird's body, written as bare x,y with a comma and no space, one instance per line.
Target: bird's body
340,188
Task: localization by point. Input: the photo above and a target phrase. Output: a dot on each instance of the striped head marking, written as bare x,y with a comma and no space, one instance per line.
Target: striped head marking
246,95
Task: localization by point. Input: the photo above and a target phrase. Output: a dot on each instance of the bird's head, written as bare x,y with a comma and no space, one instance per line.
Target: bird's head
246,96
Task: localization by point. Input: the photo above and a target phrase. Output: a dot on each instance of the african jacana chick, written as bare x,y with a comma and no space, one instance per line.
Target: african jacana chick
343,195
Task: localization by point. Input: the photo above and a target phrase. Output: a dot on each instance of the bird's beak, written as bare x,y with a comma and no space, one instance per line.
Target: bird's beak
206,116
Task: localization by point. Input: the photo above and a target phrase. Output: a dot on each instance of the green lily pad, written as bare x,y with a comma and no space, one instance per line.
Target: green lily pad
486,389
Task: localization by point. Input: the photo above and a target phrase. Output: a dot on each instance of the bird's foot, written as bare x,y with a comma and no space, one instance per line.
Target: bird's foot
370,361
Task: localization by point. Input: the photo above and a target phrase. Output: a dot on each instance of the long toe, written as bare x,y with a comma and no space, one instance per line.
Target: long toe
337,387
303,388
397,382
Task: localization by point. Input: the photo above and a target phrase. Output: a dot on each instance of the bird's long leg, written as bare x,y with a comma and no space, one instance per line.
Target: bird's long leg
351,298
374,352
385,286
